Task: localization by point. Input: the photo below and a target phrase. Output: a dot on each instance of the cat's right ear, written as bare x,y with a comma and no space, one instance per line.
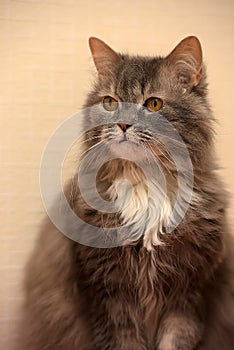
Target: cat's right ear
104,57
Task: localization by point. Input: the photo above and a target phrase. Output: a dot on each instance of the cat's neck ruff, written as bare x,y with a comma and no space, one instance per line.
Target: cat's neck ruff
147,212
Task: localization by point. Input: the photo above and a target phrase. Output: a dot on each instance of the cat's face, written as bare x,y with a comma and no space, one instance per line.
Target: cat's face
132,92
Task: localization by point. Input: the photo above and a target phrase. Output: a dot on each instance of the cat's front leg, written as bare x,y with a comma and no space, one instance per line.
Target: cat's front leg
179,331
121,329
117,337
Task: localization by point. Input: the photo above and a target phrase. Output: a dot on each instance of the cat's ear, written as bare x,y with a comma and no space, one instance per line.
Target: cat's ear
186,62
104,57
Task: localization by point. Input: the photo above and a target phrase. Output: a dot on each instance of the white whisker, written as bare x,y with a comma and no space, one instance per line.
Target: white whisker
96,145
91,139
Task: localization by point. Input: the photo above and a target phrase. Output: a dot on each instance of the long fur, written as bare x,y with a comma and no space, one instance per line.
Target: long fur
164,291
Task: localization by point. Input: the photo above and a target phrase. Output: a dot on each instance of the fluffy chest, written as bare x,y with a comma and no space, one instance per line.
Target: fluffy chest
147,212
130,272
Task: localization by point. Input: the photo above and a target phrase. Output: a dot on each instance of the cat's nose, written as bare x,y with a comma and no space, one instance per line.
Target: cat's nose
124,126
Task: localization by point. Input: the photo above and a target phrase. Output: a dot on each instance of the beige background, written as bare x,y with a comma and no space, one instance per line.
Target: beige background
45,72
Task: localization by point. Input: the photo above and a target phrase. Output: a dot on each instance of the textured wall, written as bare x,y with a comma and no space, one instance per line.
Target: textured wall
45,71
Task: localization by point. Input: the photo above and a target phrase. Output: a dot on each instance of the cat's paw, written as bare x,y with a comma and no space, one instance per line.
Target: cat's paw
179,332
166,343
171,341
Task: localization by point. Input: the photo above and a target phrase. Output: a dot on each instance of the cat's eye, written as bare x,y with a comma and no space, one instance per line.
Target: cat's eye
110,104
153,104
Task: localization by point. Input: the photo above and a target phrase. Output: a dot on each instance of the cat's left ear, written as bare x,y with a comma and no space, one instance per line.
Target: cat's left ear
105,59
186,62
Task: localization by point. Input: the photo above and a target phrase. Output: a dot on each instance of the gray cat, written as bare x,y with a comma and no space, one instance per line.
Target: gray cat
154,289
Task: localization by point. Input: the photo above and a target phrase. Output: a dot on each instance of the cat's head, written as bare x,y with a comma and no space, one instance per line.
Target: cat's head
173,87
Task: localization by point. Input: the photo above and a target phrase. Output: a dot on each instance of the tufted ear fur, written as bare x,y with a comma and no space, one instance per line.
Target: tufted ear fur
104,57
186,62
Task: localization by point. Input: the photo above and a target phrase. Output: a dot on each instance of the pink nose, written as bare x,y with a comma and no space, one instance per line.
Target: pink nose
124,126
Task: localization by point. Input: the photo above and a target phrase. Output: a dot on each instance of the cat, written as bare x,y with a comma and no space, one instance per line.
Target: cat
152,289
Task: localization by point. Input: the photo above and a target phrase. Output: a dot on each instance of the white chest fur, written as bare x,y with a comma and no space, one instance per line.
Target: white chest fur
146,211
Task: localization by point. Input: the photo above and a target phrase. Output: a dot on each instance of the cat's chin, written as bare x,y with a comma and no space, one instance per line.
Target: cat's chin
130,150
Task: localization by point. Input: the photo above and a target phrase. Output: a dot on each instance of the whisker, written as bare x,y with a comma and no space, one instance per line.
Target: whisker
148,135
160,160
98,144
104,132
146,138
163,153
145,150
91,138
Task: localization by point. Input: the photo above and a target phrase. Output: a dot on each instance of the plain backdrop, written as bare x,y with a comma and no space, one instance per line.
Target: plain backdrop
45,72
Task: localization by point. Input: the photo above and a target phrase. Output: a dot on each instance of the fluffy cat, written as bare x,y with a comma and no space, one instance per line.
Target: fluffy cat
156,290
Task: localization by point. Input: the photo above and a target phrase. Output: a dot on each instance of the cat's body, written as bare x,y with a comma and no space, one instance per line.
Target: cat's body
171,291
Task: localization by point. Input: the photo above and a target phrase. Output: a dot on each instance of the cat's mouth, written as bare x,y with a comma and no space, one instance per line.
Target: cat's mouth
124,139
143,151
125,146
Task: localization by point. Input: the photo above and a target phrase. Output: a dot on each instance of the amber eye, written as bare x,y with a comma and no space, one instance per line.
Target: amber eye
110,104
153,104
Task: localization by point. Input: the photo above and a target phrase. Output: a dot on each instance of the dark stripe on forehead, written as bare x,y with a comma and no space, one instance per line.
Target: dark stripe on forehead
132,82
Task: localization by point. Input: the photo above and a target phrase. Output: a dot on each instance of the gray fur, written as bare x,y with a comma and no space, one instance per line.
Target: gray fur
177,296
